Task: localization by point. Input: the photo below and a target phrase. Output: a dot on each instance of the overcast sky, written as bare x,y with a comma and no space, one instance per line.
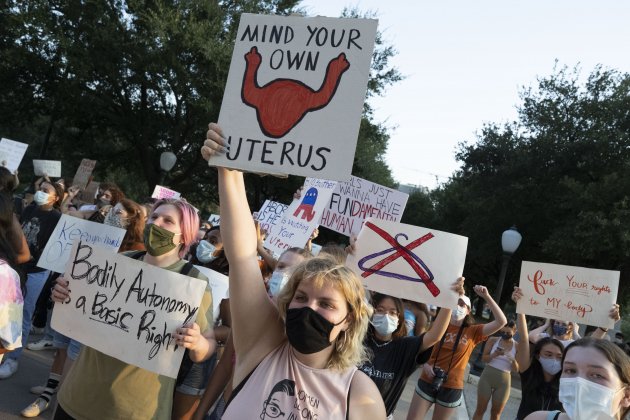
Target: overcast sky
465,62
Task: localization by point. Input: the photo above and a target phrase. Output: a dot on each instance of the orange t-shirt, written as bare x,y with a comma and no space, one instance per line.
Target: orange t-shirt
471,336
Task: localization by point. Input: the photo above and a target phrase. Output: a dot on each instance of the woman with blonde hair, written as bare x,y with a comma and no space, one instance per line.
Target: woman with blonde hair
310,343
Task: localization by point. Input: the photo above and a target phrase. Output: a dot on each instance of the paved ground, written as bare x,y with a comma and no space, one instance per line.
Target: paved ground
34,368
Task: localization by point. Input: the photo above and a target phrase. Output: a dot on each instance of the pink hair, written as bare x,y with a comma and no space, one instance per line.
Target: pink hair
188,221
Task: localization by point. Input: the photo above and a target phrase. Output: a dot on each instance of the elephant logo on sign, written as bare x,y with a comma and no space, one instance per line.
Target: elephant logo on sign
306,206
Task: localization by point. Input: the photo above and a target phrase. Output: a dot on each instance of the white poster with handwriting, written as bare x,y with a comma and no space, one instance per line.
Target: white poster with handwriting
219,284
294,95
11,153
51,168
409,262
127,309
301,217
270,215
214,220
56,253
578,294
160,192
354,201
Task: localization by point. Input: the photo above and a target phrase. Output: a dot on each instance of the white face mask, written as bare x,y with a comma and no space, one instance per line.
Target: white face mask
458,314
41,198
550,365
384,324
583,399
277,281
204,252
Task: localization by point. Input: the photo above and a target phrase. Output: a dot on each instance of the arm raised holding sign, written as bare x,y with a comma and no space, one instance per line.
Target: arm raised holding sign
320,323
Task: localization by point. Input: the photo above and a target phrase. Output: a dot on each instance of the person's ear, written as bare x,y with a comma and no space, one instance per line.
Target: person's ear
625,401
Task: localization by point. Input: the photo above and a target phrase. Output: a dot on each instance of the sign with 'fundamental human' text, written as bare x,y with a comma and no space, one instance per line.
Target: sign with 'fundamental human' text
563,292
126,308
409,262
294,95
354,201
301,217
57,250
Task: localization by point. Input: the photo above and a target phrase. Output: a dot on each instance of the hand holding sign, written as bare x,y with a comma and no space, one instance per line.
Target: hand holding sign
214,144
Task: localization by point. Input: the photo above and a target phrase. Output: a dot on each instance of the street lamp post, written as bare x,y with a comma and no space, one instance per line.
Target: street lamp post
510,241
167,161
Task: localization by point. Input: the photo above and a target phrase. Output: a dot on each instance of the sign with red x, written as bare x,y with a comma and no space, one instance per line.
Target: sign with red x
409,262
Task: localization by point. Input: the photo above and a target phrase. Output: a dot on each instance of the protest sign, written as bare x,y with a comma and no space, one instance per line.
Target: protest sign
160,192
127,309
270,215
51,168
11,153
409,262
567,293
89,194
57,250
355,200
294,95
214,220
301,217
219,284
84,172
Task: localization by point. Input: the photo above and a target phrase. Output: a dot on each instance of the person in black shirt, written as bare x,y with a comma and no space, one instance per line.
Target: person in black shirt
38,222
395,356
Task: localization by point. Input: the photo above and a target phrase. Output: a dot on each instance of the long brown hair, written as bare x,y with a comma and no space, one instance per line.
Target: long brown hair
135,228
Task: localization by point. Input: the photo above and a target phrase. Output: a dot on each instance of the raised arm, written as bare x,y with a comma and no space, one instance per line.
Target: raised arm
499,317
600,332
439,326
257,328
522,346
534,335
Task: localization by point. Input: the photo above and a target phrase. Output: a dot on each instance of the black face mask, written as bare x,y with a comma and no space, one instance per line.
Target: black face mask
308,332
506,336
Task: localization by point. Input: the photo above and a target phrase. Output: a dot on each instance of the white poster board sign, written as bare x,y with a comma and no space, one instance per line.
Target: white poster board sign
214,220
84,172
56,253
270,215
11,153
302,216
354,201
160,192
127,309
52,168
582,295
409,262
292,78
219,284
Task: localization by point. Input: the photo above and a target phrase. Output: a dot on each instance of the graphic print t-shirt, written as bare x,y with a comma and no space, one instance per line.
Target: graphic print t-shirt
392,364
471,336
37,226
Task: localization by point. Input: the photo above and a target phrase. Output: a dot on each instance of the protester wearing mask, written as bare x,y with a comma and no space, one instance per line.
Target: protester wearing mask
108,195
313,337
450,358
595,383
38,222
395,356
540,374
100,386
496,379
281,274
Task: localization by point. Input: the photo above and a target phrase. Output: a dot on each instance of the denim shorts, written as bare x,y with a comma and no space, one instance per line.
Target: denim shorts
196,380
73,347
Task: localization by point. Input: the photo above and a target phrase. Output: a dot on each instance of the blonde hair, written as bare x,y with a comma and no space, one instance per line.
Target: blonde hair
348,349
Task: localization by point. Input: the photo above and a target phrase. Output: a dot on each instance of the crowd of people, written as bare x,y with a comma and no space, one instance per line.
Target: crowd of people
298,336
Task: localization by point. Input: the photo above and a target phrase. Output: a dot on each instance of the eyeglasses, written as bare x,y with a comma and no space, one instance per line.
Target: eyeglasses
383,311
273,411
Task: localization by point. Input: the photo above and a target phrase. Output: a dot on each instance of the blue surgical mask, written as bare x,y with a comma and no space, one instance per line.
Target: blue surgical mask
277,281
205,251
550,365
41,198
384,324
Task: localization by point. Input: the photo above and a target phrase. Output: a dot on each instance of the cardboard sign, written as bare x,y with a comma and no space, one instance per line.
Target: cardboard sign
355,200
219,284
214,220
409,262
582,295
292,79
270,215
56,253
11,153
160,192
302,216
52,168
84,172
127,309
89,194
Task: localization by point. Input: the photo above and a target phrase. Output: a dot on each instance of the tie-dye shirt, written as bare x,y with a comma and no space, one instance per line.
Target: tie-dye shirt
11,302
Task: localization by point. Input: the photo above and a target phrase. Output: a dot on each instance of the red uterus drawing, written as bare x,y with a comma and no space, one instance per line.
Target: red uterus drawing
282,103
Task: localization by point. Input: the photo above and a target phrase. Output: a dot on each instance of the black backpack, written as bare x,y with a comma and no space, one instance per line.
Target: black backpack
187,363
